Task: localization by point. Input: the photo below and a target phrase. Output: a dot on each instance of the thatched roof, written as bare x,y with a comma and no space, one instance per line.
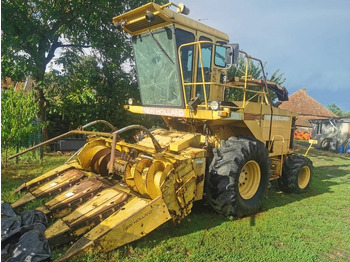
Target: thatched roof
307,108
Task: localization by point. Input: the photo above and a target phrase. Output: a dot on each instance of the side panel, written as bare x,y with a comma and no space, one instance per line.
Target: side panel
135,220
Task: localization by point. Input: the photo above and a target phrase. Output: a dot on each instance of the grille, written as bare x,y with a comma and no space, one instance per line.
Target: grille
144,24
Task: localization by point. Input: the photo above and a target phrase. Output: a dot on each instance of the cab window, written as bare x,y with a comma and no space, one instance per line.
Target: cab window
220,52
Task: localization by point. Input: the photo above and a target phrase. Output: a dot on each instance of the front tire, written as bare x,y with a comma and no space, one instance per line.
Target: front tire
296,174
238,176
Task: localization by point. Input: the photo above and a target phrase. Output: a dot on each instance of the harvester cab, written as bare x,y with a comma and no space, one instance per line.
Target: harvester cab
225,140
175,56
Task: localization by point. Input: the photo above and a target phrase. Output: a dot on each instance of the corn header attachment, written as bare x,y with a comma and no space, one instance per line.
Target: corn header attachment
115,193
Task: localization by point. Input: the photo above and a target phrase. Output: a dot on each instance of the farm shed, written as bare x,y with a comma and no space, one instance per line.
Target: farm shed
331,133
307,108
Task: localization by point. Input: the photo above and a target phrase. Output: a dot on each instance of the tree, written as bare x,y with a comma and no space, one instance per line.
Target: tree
337,111
36,29
85,91
18,118
255,71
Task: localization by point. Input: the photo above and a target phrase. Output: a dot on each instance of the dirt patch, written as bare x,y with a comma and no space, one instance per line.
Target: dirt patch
337,253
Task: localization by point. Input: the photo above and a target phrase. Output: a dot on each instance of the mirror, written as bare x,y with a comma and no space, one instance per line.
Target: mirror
232,54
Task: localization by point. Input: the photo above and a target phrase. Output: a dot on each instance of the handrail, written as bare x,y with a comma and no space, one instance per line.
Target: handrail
245,89
99,122
73,132
268,101
78,131
245,81
199,43
262,69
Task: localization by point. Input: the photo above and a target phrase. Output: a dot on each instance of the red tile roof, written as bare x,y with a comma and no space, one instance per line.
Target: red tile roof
307,108
7,82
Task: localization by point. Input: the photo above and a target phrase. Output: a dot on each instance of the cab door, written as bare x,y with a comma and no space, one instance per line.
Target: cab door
206,64
187,58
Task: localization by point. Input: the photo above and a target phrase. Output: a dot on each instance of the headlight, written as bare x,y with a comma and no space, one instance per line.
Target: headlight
214,105
131,101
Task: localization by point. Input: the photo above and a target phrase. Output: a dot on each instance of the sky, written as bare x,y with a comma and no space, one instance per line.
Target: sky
307,40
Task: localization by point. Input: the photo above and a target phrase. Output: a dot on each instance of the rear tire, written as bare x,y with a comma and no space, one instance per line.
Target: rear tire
296,174
238,176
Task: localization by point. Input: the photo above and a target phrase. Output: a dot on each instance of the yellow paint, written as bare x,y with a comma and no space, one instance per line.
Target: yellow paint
129,177
155,177
184,142
138,218
140,173
311,142
304,177
200,113
89,150
249,179
51,173
94,205
67,177
23,200
57,228
137,16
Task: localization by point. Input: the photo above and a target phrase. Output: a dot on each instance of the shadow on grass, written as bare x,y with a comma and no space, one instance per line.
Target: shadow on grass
203,218
323,179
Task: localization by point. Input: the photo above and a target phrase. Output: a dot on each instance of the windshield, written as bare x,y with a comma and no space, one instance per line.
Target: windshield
157,69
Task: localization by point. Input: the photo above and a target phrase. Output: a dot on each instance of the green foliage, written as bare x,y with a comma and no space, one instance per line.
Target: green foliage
85,91
337,111
255,71
277,77
36,30
18,117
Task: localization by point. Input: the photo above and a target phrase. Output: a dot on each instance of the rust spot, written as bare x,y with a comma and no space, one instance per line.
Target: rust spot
200,178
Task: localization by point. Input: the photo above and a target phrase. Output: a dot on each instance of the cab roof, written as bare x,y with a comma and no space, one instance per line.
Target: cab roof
134,22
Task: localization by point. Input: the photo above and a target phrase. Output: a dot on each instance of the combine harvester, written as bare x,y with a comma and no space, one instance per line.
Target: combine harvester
225,141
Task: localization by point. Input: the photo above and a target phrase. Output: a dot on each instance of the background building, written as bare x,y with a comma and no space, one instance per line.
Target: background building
307,108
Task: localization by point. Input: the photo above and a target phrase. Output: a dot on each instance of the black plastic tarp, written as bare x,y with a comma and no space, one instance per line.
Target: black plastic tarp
22,236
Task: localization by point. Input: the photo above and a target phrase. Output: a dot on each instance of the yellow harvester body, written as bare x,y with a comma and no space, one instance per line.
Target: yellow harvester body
115,192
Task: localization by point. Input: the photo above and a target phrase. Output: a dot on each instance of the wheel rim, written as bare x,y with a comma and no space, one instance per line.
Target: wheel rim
325,143
304,177
249,179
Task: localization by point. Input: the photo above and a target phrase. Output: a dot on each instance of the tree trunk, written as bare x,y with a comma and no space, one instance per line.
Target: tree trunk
17,150
42,115
6,154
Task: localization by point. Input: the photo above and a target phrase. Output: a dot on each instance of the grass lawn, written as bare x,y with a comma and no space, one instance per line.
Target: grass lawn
314,226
